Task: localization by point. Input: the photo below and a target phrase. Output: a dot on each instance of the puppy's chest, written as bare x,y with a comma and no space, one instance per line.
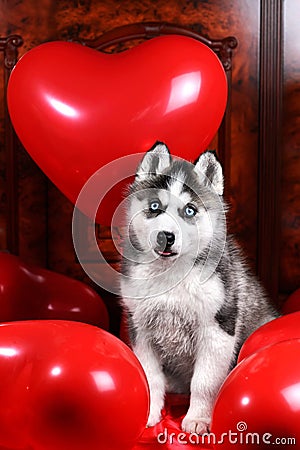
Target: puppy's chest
175,322
173,331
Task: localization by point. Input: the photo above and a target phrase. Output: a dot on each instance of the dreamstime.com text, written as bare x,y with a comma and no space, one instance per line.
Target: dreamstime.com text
240,436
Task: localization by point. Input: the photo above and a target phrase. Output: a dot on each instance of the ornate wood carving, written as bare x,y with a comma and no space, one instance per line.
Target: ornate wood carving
9,46
147,30
270,122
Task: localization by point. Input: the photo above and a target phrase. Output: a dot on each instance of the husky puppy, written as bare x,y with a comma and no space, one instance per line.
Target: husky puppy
189,297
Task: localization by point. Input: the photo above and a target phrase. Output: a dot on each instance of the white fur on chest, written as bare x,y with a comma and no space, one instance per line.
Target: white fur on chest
190,297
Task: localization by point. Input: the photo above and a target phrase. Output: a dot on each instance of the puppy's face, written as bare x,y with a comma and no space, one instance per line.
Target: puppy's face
172,213
168,225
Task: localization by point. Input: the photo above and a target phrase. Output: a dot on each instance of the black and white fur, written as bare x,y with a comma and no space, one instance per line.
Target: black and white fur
190,302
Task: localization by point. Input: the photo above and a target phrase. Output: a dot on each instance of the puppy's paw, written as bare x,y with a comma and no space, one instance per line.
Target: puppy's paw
193,424
154,418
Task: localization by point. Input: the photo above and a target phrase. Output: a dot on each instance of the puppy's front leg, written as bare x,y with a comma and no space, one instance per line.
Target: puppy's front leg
211,368
155,377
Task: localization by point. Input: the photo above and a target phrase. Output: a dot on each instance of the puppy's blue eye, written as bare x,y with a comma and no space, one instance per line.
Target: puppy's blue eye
190,211
154,206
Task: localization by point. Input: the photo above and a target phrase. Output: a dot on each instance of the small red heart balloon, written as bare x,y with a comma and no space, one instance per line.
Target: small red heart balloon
76,109
29,292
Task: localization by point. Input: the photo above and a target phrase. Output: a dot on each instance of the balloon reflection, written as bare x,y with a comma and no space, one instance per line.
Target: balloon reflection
185,90
62,107
8,351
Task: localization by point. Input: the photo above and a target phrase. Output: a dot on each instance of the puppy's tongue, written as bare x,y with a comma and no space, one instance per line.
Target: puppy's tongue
165,253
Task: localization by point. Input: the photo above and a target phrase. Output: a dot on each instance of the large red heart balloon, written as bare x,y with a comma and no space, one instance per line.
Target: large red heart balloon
69,386
76,109
29,292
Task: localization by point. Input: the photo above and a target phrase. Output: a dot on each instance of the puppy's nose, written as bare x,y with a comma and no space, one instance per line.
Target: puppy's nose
165,239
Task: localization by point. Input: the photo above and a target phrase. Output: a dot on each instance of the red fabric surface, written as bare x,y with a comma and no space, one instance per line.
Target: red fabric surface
160,436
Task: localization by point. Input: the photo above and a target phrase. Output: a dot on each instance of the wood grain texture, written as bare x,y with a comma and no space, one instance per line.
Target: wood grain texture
32,210
270,120
9,50
3,217
290,186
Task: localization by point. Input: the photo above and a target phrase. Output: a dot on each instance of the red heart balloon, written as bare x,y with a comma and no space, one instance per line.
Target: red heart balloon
69,386
278,330
29,292
258,406
76,109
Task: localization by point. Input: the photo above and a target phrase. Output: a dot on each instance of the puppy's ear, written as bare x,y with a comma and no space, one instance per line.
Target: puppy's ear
210,172
155,161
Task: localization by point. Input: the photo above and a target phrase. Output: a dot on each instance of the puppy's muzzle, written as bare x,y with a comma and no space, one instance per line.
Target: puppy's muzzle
165,240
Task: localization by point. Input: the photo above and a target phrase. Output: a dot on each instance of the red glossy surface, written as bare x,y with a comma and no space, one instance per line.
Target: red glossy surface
76,109
167,434
278,330
264,393
28,292
292,303
69,386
